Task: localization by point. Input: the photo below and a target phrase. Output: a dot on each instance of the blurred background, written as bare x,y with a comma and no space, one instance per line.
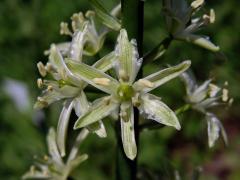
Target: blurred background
28,27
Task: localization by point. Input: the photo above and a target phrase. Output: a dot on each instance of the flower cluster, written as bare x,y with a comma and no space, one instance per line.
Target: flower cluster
182,22
53,166
202,98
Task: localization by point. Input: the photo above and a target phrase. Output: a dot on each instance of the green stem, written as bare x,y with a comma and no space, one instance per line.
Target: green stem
132,21
158,51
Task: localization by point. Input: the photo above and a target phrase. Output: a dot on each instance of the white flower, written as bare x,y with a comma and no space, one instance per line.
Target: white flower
125,93
182,24
53,166
202,98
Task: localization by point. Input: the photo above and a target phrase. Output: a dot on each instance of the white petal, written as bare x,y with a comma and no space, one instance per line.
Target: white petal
127,131
158,111
63,126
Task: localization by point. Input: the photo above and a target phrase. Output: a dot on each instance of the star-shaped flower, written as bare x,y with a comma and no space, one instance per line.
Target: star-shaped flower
53,166
182,23
125,94
204,97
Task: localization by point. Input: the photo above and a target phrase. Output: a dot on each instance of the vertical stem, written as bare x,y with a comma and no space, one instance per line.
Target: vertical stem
132,21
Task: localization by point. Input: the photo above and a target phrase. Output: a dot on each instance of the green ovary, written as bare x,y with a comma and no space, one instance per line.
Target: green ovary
125,92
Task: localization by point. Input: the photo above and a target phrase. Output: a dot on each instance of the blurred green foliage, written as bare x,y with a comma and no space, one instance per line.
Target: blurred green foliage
28,27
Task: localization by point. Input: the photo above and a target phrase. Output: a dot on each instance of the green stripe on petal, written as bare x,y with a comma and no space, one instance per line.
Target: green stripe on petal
107,19
100,109
127,131
158,111
63,126
93,76
157,79
126,52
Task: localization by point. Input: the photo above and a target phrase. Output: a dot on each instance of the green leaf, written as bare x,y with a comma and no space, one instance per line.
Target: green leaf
100,109
91,75
127,131
63,126
158,111
165,75
105,17
127,55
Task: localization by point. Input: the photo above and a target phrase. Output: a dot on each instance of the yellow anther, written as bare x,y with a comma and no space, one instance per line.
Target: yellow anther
101,81
39,83
90,13
212,16
123,75
41,69
64,30
32,169
45,158
197,3
50,88
224,95
146,83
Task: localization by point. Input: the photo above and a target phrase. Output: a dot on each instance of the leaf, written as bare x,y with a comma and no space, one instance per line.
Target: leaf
100,109
158,111
127,131
165,75
89,74
63,126
105,17
127,55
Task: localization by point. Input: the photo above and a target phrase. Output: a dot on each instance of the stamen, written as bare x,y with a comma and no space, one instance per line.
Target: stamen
32,169
197,3
41,69
146,83
123,75
50,88
101,81
224,95
45,158
39,83
64,30
212,16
